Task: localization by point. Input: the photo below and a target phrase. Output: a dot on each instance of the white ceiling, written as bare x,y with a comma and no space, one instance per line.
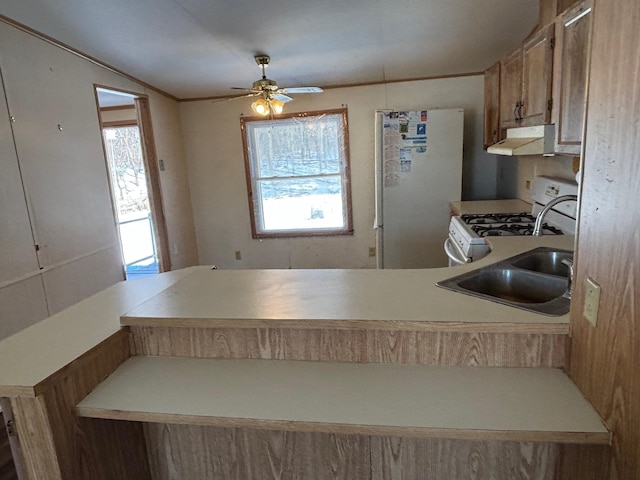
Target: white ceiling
200,48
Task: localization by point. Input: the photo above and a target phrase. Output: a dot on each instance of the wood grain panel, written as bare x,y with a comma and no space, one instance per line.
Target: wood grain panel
584,462
36,438
394,458
185,451
556,327
376,346
573,34
492,105
190,452
537,75
12,464
7,467
604,359
547,12
58,445
510,89
564,5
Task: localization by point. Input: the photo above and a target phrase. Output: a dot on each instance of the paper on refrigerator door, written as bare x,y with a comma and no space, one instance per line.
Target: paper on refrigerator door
404,142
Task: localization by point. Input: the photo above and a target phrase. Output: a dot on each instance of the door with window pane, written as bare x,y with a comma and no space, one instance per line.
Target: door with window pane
129,185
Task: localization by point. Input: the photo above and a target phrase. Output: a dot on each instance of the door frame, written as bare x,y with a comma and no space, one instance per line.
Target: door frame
152,172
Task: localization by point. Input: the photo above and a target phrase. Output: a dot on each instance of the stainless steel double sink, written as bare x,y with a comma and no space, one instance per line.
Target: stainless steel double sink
535,280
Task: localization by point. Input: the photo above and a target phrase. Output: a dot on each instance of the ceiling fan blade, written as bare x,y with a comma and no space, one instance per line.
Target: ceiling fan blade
253,94
303,90
282,97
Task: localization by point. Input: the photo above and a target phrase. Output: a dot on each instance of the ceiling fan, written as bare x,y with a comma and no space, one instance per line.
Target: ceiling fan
272,97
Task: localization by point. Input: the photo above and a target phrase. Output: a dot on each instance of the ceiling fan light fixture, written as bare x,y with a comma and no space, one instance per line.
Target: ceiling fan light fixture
261,107
277,106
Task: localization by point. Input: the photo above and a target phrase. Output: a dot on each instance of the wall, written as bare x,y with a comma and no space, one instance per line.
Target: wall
213,147
516,174
605,359
55,190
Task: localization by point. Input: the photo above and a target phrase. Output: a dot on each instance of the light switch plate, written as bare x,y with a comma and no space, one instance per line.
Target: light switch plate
591,301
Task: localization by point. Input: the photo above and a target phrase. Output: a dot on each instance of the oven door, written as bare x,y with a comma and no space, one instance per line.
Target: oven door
456,257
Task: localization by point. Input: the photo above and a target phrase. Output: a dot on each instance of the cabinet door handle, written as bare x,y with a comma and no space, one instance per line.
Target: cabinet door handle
515,111
520,112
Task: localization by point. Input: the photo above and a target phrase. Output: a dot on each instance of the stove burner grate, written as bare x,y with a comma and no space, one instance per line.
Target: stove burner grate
512,229
493,218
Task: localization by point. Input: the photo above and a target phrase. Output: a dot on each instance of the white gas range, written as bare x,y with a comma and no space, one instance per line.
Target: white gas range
467,233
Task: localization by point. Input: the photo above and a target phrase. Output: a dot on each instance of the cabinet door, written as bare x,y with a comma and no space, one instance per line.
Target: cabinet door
573,31
510,89
492,105
537,76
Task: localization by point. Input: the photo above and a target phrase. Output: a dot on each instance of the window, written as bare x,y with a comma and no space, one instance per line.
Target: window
297,170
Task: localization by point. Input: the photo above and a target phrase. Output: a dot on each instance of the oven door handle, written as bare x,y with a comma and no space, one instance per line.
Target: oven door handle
454,253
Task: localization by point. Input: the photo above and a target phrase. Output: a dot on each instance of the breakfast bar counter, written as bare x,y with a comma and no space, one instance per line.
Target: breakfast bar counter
127,383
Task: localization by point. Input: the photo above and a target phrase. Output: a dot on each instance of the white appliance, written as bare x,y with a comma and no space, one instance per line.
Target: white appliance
418,172
538,140
467,233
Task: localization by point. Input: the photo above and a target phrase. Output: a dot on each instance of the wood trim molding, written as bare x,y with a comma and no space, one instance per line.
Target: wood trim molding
59,44
117,107
153,182
350,85
119,123
350,429
400,325
345,176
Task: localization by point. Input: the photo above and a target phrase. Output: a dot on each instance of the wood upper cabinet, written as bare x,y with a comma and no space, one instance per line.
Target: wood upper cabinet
573,32
525,84
537,76
510,90
492,105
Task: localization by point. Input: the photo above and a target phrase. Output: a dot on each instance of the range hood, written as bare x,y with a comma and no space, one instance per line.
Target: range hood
536,140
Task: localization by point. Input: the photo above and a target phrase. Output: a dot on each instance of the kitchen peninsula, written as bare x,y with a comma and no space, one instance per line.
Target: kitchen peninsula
219,374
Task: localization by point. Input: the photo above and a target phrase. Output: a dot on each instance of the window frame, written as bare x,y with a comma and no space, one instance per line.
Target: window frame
345,175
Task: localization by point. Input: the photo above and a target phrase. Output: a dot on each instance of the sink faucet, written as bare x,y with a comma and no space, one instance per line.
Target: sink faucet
568,262
537,229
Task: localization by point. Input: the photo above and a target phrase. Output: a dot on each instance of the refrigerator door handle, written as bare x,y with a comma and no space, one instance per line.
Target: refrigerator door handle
454,253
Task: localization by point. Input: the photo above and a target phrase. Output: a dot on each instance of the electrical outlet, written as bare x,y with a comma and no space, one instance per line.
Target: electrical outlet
238,255
372,251
591,301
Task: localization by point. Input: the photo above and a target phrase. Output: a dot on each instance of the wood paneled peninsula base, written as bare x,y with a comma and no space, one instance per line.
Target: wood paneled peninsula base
327,374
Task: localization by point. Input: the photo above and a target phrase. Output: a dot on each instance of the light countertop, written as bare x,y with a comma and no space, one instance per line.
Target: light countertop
32,355
518,404
389,299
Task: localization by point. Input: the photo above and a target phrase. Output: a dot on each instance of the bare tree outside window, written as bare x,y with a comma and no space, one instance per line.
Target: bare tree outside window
128,175
297,168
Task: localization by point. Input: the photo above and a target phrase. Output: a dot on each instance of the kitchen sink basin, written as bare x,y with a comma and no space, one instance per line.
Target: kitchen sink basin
546,261
536,281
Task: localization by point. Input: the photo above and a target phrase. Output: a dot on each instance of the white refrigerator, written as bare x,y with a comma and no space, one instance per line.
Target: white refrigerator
418,172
